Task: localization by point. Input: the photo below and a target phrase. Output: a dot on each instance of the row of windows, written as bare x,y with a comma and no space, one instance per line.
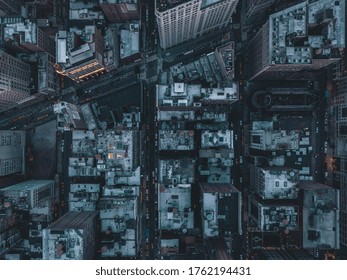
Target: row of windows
4,170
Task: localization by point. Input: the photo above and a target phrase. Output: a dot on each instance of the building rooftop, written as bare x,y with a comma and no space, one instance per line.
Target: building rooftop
69,116
83,143
78,46
178,94
129,40
169,247
304,31
176,172
115,212
175,208
183,95
272,140
117,150
221,209
30,195
276,182
163,5
217,139
71,237
114,152
171,115
27,32
217,66
81,4
118,216
176,140
275,218
85,14
227,94
83,197
225,58
320,215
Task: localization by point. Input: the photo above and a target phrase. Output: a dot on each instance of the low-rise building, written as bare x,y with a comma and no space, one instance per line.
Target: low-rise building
80,53
176,140
221,210
274,217
264,137
320,216
120,222
274,182
175,208
176,172
83,197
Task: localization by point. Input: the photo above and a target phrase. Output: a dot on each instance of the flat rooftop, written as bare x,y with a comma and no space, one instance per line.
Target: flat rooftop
130,41
272,140
173,172
217,139
176,140
300,33
175,208
163,5
279,183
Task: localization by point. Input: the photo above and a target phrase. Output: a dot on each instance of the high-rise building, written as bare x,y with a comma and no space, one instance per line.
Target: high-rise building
254,7
71,237
120,10
12,149
340,154
30,36
299,39
14,80
181,20
8,8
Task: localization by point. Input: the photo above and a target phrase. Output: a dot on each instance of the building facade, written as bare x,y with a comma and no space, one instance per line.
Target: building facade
14,80
71,237
182,20
257,6
340,155
10,7
12,149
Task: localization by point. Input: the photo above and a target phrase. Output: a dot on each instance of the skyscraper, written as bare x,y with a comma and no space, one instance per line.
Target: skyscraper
340,163
71,237
181,20
288,43
257,6
9,7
